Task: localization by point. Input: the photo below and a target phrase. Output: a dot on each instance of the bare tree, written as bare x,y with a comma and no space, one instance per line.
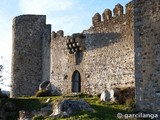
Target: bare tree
1,70
4,72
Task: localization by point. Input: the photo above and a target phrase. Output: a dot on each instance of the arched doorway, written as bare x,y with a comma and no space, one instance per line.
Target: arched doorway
76,82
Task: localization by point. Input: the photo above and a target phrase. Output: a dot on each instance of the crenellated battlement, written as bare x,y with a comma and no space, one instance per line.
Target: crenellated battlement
129,8
107,19
118,15
118,10
107,14
57,34
60,33
74,43
96,19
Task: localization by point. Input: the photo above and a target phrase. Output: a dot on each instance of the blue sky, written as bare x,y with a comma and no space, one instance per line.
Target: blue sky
72,16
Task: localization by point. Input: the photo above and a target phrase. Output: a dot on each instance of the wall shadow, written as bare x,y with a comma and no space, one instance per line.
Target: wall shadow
99,40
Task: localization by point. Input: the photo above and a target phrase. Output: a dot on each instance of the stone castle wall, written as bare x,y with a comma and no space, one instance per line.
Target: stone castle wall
147,54
117,51
107,58
59,61
30,32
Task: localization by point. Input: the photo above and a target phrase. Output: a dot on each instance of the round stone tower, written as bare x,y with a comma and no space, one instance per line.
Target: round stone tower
30,54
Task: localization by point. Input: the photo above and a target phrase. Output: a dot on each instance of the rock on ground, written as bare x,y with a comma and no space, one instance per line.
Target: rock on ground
109,95
66,108
45,85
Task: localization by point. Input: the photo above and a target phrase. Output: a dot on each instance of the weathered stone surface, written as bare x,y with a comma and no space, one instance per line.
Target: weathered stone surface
62,114
118,10
107,14
47,108
66,108
108,58
60,33
30,54
96,19
43,111
45,85
106,61
25,115
147,55
78,35
110,95
105,96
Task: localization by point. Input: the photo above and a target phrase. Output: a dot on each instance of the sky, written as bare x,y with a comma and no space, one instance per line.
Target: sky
71,16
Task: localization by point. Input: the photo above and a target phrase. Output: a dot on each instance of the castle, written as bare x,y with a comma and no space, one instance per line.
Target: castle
120,50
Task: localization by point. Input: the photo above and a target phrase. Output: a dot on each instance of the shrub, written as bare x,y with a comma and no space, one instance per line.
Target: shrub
125,94
130,103
42,93
2,95
98,95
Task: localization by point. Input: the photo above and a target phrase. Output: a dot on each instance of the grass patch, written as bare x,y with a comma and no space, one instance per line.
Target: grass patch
30,103
102,110
43,93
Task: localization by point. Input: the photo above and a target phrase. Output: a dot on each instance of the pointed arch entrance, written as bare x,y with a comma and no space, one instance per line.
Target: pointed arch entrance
76,81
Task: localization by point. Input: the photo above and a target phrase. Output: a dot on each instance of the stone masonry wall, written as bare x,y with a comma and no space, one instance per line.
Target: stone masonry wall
59,61
147,54
46,52
107,59
29,35
117,51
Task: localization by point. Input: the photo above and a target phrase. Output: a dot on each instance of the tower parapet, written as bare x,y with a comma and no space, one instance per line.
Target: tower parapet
118,10
60,33
96,19
129,8
53,35
107,14
109,21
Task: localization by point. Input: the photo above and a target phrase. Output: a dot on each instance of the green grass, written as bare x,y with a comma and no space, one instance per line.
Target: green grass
31,103
102,110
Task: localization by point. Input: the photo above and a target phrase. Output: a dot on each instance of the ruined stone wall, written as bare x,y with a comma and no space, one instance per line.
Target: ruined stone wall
31,38
107,59
59,61
147,54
